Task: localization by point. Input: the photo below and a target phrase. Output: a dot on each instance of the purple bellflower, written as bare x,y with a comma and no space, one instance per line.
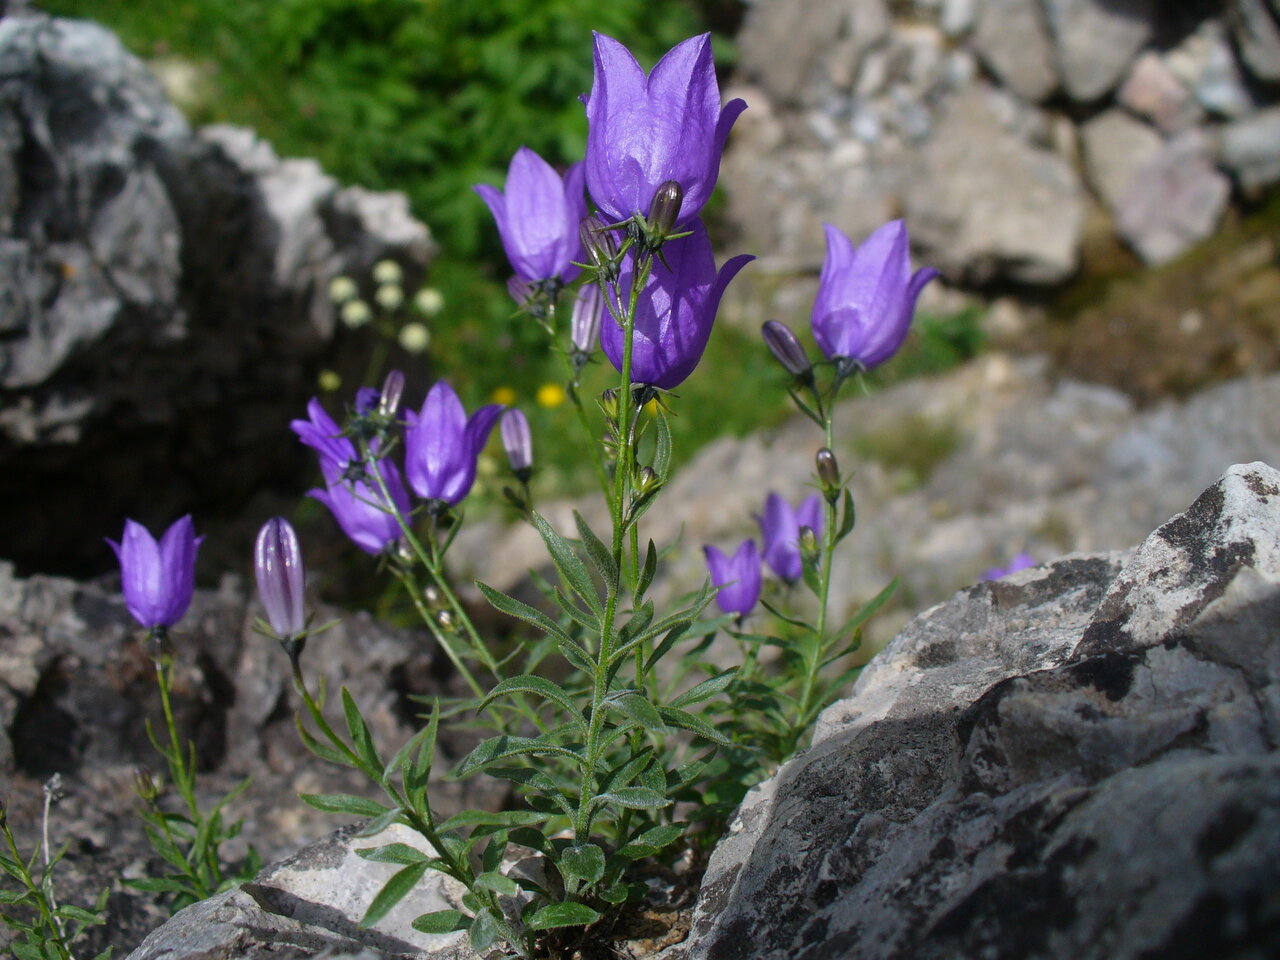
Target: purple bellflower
1020,561
538,217
643,131
866,295
517,440
674,312
352,496
442,444
277,563
780,527
737,576
158,578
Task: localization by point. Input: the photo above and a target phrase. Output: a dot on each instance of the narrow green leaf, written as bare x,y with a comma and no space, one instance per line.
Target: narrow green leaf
79,914
521,611
687,721
155,885
563,915
847,517
577,657
869,609
786,618
528,837
505,747
402,755
361,737
541,687
581,863
615,894
633,798
483,818
583,618
442,921
662,451
638,709
322,750
343,803
706,689
648,570
498,883
530,777
811,573
623,774
392,892
570,568
484,930
599,554
416,784
400,853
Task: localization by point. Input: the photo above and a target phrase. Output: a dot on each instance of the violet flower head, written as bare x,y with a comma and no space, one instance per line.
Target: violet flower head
737,576
359,507
277,563
780,527
643,131
442,444
674,312
866,295
538,216
323,435
584,324
158,578
1020,561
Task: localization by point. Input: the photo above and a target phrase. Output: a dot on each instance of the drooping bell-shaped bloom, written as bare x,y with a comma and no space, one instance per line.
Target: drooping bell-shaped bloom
538,217
780,527
351,492
277,563
643,131
442,444
363,513
866,295
674,312
158,578
738,576
584,323
1020,561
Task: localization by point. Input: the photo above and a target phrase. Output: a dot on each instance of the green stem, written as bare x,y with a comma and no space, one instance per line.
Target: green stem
41,896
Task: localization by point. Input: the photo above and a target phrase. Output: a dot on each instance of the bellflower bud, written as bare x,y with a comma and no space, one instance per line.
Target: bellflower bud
392,391
145,784
538,217
442,444
786,349
808,541
584,325
828,471
366,401
601,246
866,295
663,211
277,563
643,131
737,576
158,579
517,440
780,527
674,312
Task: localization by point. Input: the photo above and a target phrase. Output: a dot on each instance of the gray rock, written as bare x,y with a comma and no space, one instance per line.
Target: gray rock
1206,64
957,16
1069,762
1250,149
1116,149
1096,40
989,205
312,903
1153,91
145,267
1013,41
1257,32
1175,199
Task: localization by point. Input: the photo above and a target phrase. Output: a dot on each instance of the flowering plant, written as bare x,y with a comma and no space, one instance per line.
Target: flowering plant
623,743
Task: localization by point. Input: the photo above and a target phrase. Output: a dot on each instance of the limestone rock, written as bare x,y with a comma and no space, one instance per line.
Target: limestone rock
988,204
1070,762
1257,31
1096,40
1012,39
1117,148
1206,64
1153,91
1250,148
1174,200
144,267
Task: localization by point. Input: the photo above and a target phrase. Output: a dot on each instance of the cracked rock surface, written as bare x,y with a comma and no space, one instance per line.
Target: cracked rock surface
1077,761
